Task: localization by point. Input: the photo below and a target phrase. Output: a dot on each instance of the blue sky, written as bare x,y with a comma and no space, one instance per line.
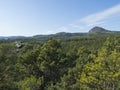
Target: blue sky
32,17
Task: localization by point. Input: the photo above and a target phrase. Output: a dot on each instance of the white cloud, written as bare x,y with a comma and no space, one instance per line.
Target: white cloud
106,14
96,23
96,19
77,26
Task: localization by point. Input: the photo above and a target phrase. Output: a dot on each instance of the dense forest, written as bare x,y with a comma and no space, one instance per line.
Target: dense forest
86,62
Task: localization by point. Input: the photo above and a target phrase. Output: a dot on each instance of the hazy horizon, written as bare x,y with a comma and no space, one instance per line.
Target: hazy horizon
28,17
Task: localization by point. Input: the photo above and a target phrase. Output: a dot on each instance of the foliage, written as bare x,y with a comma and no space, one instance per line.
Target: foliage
87,62
103,73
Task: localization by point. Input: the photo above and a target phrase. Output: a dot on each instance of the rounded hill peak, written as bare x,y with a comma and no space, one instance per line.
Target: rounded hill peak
97,29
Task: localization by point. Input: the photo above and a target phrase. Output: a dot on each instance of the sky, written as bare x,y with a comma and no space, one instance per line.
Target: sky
35,17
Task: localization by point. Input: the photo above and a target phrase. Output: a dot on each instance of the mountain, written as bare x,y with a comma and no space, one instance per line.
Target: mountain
99,30
12,37
95,31
59,35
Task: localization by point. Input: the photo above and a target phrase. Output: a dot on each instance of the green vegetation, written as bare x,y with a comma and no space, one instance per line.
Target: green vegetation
77,62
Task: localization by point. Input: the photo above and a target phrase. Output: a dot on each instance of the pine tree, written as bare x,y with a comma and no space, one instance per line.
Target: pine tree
103,73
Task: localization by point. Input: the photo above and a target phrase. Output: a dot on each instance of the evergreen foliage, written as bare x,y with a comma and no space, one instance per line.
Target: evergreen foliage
89,62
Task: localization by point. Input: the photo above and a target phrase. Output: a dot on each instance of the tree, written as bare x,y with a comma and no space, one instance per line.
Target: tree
30,83
103,73
49,60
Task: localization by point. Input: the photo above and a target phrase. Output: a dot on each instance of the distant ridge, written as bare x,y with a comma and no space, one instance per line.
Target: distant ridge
97,29
11,37
94,31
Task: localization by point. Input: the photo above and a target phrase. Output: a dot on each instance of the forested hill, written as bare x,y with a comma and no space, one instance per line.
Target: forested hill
63,61
94,31
99,30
